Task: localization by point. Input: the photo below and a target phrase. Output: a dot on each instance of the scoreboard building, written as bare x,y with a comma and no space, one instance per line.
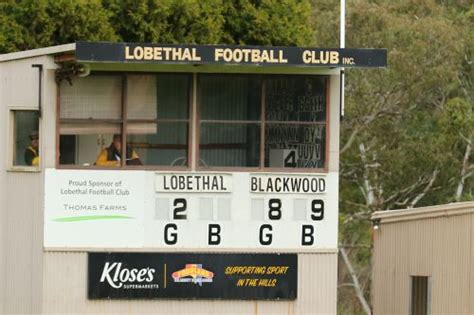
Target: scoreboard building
148,178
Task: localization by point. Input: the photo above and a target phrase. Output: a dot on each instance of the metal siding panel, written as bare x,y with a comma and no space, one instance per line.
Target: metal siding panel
3,174
48,125
67,272
471,266
23,242
439,247
21,193
21,74
318,283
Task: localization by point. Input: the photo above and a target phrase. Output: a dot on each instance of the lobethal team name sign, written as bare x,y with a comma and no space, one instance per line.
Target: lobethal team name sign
247,55
190,210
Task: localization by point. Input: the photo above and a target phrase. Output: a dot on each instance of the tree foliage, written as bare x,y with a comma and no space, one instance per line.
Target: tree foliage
406,139
31,24
407,136
28,24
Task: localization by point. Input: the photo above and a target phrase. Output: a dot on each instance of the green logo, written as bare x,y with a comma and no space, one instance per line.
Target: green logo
92,217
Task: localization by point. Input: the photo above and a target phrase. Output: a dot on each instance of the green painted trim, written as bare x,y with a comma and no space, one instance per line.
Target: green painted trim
91,217
216,69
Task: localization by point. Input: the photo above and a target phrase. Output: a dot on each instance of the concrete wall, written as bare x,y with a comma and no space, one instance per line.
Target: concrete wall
432,241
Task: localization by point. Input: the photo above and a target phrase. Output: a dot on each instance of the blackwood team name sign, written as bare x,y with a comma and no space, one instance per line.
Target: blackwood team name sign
221,55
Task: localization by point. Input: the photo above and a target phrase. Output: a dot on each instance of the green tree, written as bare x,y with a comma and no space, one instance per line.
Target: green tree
32,24
268,22
401,146
167,21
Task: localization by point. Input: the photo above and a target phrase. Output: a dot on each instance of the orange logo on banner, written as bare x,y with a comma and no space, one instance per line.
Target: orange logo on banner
193,273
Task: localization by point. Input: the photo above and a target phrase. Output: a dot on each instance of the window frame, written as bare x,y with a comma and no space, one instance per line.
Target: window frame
198,121
262,123
189,122
194,126
11,167
123,124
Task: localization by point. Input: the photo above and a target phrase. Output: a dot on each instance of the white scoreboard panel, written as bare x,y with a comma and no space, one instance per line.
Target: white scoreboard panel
243,210
191,210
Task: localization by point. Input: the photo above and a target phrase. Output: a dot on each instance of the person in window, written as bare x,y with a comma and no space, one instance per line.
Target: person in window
111,156
32,151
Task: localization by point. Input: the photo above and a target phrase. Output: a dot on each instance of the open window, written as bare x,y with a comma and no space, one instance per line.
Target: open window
146,114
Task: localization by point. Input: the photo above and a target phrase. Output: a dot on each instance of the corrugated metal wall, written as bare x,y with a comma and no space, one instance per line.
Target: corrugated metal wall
21,204
23,243
65,291
3,178
434,245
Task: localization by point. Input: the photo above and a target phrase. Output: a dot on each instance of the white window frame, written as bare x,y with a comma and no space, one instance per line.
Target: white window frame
10,153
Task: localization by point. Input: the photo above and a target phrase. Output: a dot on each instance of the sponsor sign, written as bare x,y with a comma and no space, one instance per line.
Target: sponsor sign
190,211
221,55
88,208
192,276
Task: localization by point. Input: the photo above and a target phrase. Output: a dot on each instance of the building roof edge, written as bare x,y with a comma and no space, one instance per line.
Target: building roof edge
52,50
450,209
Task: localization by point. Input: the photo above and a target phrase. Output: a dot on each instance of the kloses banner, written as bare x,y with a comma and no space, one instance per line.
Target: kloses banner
192,276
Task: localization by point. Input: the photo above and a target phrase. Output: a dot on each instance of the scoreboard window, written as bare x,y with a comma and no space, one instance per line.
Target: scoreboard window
272,122
295,121
149,113
157,122
230,120
242,121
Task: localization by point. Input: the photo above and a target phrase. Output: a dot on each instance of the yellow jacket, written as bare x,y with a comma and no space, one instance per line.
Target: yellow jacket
108,157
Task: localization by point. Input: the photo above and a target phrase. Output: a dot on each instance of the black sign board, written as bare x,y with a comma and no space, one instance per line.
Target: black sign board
222,55
192,276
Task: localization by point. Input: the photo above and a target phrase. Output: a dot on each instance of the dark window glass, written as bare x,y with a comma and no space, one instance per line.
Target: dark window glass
295,126
230,97
162,96
420,295
295,145
230,144
295,98
227,102
26,138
